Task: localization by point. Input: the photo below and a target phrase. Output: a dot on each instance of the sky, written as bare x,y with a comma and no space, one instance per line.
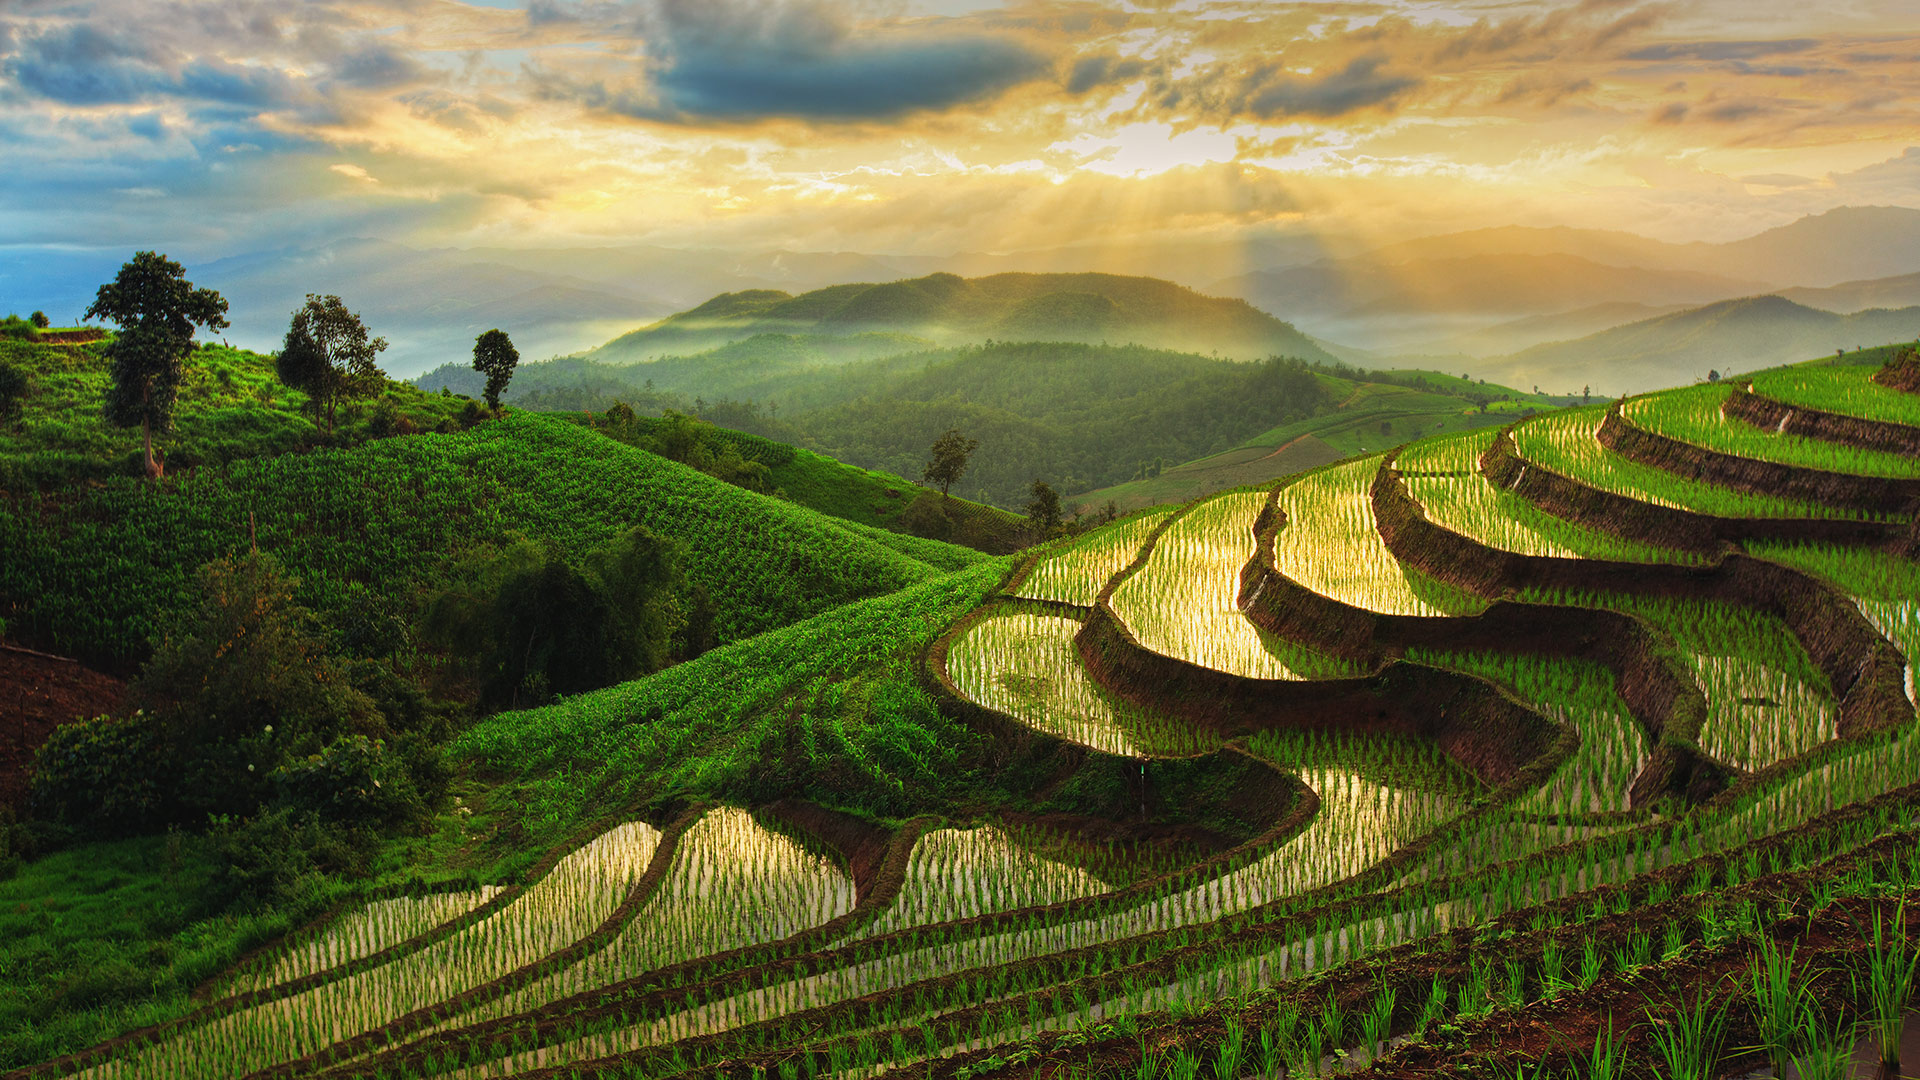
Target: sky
215,127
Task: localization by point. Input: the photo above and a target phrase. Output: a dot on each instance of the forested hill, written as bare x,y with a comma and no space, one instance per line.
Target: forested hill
946,309
1077,416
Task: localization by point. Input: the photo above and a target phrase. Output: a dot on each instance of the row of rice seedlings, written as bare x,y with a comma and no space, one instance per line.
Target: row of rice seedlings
1848,390
1025,665
1694,415
1613,746
1518,887
1333,1041
1567,443
1765,700
363,931
581,891
1077,573
1473,507
1359,824
1455,454
1183,602
1330,544
732,883
961,873
1885,586
1392,760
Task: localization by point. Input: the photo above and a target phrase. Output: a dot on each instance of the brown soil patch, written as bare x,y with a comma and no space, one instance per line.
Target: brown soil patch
37,694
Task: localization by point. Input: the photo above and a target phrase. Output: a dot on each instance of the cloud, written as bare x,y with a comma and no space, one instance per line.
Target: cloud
82,64
1721,50
1361,84
1092,71
1778,180
735,61
378,67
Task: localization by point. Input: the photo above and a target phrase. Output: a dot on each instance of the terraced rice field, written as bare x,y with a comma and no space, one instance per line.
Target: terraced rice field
1567,443
1694,415
1330,544
1641,818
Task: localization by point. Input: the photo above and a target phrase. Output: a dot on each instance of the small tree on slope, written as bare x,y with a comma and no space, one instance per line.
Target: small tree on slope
950,453
156,308
328,354
495,357
1043,509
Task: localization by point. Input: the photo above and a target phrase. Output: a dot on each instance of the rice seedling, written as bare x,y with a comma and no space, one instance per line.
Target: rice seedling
1779,1002
1330,544
1689,1037
1446,455
1891,965
1693,415
1183,602
1825,1042
1076,573
1608,1058
1231,1052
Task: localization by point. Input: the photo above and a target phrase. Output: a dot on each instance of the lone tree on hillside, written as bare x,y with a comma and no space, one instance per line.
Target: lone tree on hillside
950,453
1043,510
495,357
328,355
156,309
39,320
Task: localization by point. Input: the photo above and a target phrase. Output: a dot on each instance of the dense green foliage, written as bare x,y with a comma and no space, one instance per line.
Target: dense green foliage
530,623
827,709
365,530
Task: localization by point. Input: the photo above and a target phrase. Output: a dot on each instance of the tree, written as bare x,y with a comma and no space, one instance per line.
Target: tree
328,355
40,320
156,309
950,453
495,357
1043,509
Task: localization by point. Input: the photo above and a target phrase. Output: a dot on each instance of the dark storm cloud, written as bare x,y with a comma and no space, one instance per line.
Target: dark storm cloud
82,64
377,67
1092,71
1265,91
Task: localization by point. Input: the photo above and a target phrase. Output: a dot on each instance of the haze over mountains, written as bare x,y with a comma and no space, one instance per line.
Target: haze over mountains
1484,300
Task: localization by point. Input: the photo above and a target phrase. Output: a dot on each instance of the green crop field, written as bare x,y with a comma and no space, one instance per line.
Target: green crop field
1286,780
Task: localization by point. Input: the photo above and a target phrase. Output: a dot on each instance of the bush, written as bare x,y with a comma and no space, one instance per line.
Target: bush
39,320
277,856
103,776
353,780
17,328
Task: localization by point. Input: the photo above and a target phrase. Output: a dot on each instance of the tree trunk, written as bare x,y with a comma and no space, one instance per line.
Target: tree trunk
154,468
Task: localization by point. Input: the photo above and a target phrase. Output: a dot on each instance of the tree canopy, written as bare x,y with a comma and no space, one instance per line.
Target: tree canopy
157,310
329,354
495,357
949,461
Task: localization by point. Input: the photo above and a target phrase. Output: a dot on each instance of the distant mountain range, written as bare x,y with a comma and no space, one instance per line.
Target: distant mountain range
1729,337
946,309
1426,294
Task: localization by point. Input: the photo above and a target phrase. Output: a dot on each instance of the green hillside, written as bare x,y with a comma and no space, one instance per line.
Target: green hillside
949,309
231,406
1075,415
363,528
1362,415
